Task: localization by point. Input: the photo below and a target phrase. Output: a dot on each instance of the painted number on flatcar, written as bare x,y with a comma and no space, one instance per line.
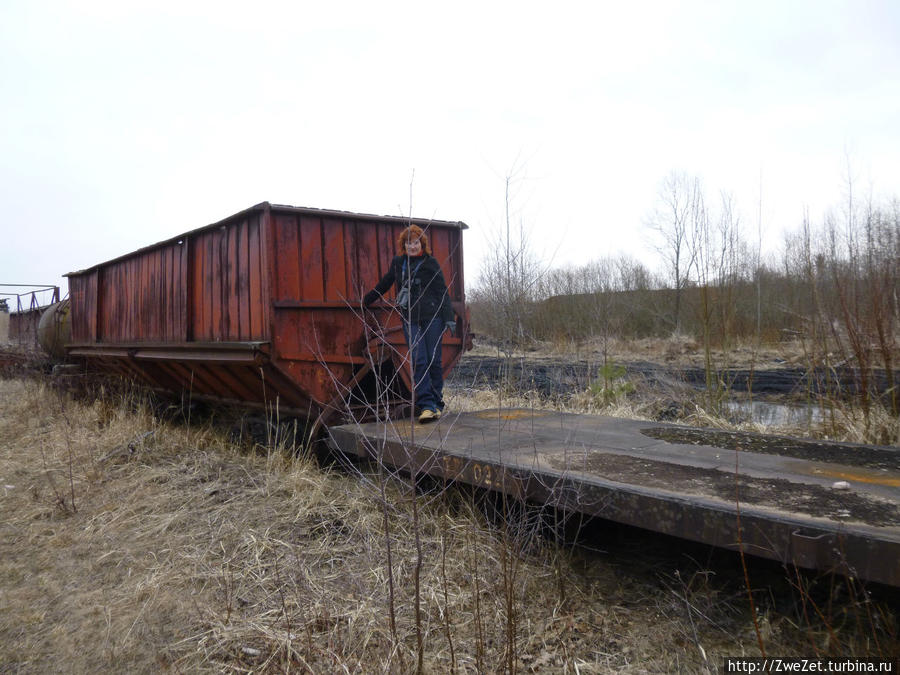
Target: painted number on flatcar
453,467
483,474
475,473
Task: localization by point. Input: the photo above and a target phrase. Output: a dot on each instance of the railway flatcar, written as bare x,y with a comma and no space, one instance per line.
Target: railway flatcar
263,307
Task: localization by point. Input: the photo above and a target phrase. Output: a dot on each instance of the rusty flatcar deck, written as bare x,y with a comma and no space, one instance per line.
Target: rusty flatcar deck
813,504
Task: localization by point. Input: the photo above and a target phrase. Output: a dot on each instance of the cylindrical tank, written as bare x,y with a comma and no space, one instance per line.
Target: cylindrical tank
55,330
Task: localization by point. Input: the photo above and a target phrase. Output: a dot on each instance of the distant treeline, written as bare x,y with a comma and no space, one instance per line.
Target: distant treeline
772,305
647,312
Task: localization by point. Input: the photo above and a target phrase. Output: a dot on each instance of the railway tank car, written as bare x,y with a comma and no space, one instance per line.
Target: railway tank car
263,307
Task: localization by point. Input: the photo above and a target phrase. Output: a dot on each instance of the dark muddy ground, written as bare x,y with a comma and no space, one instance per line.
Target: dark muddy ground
557,376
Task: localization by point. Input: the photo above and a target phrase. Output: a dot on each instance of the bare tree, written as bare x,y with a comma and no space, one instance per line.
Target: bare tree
509,278
679,206
718,250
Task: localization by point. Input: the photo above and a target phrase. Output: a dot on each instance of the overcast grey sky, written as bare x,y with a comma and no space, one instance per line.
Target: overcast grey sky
124,123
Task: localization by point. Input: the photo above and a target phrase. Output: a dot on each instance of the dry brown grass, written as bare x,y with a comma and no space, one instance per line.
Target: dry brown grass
131,545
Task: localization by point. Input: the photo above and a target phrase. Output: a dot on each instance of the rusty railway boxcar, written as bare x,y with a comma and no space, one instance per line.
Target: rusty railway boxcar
260,307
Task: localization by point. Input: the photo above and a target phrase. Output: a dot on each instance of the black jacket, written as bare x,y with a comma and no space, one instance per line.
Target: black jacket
428,294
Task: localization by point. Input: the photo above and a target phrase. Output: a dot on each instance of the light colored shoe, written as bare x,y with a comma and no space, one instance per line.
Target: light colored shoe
427,415
437,414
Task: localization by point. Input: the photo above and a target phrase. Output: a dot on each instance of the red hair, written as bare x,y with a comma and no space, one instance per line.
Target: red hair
415,232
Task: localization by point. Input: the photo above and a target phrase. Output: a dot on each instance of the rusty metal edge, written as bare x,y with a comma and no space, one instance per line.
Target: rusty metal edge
198,351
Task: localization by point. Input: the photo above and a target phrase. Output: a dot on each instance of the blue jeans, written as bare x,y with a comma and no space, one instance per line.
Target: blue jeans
428,373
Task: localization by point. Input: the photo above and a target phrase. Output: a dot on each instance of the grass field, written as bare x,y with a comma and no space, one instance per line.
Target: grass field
132,544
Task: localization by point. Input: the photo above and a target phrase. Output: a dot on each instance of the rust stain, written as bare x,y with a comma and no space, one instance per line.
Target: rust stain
861,478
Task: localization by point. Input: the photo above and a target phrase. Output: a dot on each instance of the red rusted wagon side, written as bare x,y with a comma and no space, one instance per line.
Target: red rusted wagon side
262,307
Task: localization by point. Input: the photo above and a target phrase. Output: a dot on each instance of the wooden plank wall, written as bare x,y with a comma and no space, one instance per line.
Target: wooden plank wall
205,287
83,303
142,298
226,273
323,265
210,285
331,259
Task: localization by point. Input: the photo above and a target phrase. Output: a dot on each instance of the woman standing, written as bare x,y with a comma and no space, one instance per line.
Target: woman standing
426,311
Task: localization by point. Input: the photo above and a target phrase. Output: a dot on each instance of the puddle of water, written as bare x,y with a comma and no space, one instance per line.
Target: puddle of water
775,414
